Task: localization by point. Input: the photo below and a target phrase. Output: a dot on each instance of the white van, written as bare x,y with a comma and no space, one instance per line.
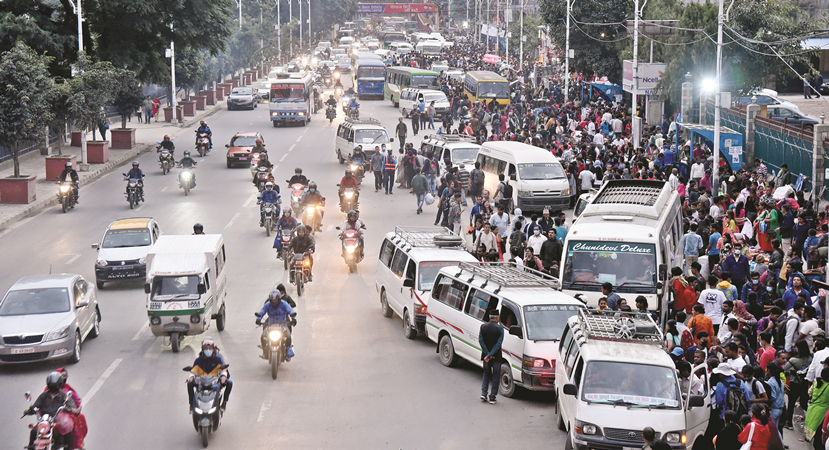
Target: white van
410,97
346,41
533,312
429,47
536,175
615,378
401,48
367,132
458,148
186,285
410,258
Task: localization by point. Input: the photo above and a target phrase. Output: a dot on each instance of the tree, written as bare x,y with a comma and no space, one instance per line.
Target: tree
59,107
128,96
190,69
93,89
25,88
531,24
45,26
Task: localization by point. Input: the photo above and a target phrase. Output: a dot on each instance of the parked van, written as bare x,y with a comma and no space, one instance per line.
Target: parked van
537,177
614,378
410,97
186,285
410,258
646,221
457,148
532,310
367,132
346,41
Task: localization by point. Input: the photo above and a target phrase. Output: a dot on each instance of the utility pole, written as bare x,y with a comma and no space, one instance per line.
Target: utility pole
310,39
487,25
635,68
279,29
567,57
299,3
507,17
715,182
261,40
290,19
521,39
80,28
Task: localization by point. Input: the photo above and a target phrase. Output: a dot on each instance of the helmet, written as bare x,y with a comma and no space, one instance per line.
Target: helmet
68,165
186,154
263,156
207,342
286,211
348,172
166,136
312,185
331,96
135,163
298,170
274,295
53,382
301,228
352,214
198,228
269,186
203,123
258,141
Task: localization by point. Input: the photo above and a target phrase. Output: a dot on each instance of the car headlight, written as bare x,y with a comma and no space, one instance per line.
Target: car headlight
586,428
64,188
57,334
142,260
275,335
675,437
101,262
350,248
525,193
536,363
302,113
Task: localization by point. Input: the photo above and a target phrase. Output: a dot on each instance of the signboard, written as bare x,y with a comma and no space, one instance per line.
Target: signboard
395,8
645,249
649,76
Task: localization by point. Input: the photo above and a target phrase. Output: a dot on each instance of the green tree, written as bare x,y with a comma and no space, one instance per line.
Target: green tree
190,70
128,96
93,89
59,107
531,24
48,27
25,88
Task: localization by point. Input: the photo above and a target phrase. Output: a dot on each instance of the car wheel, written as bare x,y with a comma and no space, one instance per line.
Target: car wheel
76,351
100,284
96,325
274,123
405,114
384,304
507,385
229,165
409,329
448,357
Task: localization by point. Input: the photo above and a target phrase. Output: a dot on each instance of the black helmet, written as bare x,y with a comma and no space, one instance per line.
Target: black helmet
348,172
186,154
298,170
331,96
198,228
53,382
301,228
312,185
352,214
135,163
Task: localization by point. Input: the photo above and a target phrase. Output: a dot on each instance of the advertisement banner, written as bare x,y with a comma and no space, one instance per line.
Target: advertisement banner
649,76
395,8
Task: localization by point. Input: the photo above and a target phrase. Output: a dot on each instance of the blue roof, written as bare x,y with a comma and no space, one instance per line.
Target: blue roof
370,62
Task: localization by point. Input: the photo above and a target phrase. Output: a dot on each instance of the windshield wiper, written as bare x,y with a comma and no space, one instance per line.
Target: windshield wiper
659,406
638,283
182,295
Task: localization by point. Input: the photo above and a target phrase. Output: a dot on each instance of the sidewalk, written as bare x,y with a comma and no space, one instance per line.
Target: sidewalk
146,136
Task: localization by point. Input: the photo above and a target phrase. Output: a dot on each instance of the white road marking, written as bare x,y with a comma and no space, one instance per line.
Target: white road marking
141,332
266,405
306,130
283,157
229,224
95,387
164,188
300,137
330,227
250,199
292,147
73,259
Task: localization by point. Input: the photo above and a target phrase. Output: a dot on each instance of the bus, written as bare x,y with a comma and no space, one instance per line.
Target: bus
387,37
429,47
291,97
399,78
365,55
485,86
369,77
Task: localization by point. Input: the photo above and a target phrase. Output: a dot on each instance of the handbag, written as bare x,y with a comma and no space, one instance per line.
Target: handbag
747,445
429,198
717,271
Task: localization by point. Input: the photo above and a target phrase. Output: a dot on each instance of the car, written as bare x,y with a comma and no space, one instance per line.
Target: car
122,252
263,92
45,317
238,150
344,64
791,115
241,97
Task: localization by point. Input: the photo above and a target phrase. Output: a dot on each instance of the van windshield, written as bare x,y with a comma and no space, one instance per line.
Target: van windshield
371,137
540,171
464,155
628,265
428,271
546,322
636,385
175,288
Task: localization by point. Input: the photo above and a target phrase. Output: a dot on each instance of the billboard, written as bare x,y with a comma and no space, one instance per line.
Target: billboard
395,8
649,76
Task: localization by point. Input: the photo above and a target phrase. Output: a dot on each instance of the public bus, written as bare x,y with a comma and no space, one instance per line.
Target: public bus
429,47
369,77
485,86
392,36
399,78
291,98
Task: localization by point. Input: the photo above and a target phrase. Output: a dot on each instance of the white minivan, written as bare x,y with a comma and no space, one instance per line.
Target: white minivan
533,312
367,132
410,97
537,177
410,258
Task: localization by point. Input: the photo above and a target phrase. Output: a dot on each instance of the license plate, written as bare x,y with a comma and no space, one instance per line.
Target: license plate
122,268
19,351
243,159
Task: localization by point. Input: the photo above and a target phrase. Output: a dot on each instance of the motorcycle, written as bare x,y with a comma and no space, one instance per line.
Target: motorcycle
357,167
207,413
165,160
312,215
352,250
275,344
330,113
263,175
348,201
133,192
300,271
202,143
297,190
186,179
338,90
285,238
317,104
66,195
269,213
354,113
327,81
47,437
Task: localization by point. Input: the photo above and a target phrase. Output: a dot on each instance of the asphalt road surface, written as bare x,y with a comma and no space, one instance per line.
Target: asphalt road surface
356,382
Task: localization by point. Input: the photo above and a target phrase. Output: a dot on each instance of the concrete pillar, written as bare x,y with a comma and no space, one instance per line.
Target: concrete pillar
702,100
687,100
818,155
752,111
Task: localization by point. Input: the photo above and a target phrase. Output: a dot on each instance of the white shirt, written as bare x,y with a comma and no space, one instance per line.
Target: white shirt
487,239
697,170
674,181
737,364
817,364
535,241
591,128
714,212
616,125
724,334
587,179
598,139
712,300
755,384
806,328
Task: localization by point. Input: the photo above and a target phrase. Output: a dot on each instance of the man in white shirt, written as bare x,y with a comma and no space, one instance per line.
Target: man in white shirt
673,180
487,239
598,139
618,142
809,327
712,300
587,179
697,170
714,211
817,365
536,240
617,125
793,319
591,128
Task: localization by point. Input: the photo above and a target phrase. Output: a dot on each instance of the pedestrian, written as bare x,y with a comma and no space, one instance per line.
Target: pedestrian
414,114
378,160
148,109
389,166
401,132
807,87
818,405
430,112
420,186
490,337
757,431
476,180
691,244
463,179
156,107
795,370
454,216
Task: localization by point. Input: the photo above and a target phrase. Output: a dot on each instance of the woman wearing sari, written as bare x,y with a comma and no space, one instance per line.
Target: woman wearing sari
763,229
818,406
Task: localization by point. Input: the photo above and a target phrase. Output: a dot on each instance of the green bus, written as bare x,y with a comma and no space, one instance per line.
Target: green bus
399,78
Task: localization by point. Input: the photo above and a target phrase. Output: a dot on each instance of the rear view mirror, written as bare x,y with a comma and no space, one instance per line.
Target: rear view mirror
336,228
225,366
146,288
227,145
82,303
95,246
663,272
515,330
202,289
696,401
28,396
570,389
187,369
408,282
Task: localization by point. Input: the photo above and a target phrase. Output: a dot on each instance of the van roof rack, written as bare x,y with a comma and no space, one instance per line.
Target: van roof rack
364,121
636,327
450,137
428,237
509,275
641,198
632,192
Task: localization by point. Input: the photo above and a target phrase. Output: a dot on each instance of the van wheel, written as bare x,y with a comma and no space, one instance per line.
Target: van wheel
384,304
561,425
340,157
448,357
568,443
405,114
221,319
408,328
507,385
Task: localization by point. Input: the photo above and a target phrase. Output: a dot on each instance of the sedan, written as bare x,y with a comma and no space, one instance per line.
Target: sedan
241,97
239,148
48,317
791,116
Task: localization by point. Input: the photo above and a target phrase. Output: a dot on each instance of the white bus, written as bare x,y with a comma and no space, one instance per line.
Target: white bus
291,97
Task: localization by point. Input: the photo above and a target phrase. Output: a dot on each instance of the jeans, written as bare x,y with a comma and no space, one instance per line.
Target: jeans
775,416
388,181
378,180
432,178
431,122
415,126
420,199
463,197
492,374
148,113
402,140
440,211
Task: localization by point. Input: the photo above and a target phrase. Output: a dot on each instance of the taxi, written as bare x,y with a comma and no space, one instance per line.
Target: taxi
240,146
122,252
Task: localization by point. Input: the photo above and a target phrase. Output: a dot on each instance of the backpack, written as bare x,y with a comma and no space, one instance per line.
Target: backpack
780,332
507,191
735,399
478,177
515,245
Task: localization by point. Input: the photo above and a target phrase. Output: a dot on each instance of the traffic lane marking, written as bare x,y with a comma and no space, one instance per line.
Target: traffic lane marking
73,259
100,382
229,224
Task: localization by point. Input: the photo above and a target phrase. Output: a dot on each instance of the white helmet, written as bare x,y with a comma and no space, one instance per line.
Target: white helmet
269,186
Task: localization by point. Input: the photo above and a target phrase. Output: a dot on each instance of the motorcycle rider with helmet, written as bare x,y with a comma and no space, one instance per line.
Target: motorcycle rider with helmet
198,229
298,178
286,222
188,163
203,128
137,174
278,311
349,181
259,147
209,362
313,197
72,174
331,101
49,402
302,242
352,222
168,145
268,195
353,106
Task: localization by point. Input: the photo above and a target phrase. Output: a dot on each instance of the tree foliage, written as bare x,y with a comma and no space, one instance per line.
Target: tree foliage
46,27
25,87
128,96
531,24
93,88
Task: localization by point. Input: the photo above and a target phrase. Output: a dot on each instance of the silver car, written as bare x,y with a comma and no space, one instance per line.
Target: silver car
241,97
47,317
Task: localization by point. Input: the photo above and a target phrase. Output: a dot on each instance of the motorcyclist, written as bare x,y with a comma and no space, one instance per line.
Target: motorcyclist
350,91
298,178
303,242
313,197
209,363
331,101
187,161
352,222
338,82
349,181
354,106
268,195
72,174
137,174
278,311
286,222
167,144
259,147
203,128
198,229
49,402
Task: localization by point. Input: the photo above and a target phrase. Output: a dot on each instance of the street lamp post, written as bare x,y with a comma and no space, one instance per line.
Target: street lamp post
521,39
309,23
299,3
717,104
279,29
80,28
635,68
567,56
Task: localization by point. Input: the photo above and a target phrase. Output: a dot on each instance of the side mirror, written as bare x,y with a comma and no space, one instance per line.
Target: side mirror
408,282
515,330
257,314
187,369
28,396
227,145
663,272
580,297
336,228
570,389
696,401
95,246
202,289
82,304
224,366
146,288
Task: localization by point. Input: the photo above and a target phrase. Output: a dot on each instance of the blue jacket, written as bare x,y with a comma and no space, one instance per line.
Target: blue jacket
722,389
278,314
737,267
790,296
269,196
205,365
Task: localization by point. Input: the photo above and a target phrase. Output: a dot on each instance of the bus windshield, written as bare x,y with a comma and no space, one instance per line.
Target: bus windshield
540,171
371,72
287,92
428,81
493,89
629,265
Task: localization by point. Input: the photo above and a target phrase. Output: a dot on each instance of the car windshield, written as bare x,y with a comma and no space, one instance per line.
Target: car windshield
493,89
464,155
264,85
243,141
427,81
434,97
135,237
175,288
540,171
241,91
628,264
287,92
632,384
428,271
35,301
371,137
371,72
546,322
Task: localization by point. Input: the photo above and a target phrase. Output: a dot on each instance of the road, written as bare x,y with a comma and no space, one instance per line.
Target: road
356,382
